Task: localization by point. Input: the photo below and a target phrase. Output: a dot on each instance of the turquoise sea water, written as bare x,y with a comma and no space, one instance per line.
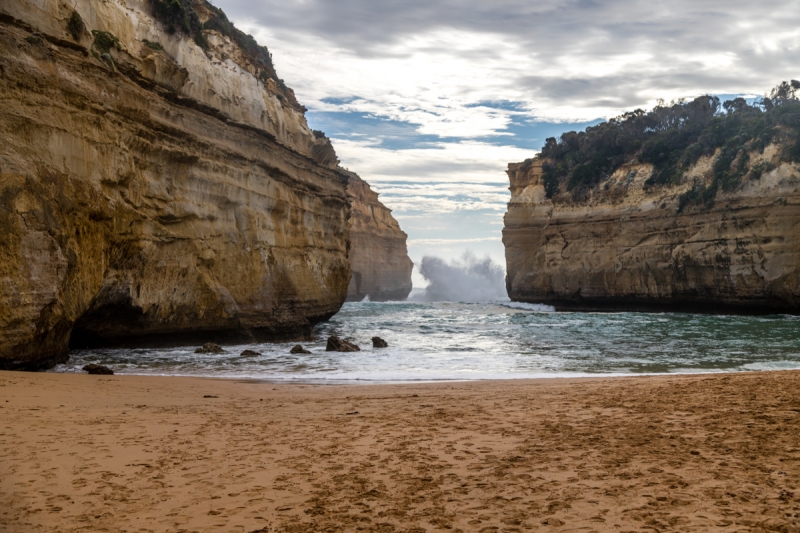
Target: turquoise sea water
461,341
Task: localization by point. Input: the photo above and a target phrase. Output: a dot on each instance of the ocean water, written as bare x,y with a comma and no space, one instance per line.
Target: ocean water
498,340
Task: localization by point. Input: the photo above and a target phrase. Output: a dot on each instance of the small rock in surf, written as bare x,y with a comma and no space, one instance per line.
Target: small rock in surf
210,347
335,344
98,370
249,353
298,349
377,342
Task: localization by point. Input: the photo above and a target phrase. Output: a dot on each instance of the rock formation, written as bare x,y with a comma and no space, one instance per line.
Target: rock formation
377,342
98,370
158,184
625,245
378,254
335,344
210,347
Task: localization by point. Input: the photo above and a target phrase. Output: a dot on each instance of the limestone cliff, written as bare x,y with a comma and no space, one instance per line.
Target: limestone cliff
626,245
156,185
378,254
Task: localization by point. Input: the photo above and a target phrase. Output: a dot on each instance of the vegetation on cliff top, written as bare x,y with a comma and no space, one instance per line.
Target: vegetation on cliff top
182,16
672,137
257,54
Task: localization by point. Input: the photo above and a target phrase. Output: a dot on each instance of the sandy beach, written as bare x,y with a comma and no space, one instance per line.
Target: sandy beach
670,453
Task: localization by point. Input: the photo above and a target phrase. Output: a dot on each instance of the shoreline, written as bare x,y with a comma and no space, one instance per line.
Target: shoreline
699,452
364,382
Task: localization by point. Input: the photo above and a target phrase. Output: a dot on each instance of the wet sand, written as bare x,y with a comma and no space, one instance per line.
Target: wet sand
137,454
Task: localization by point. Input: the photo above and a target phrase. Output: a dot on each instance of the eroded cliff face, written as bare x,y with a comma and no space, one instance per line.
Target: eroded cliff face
378,253
155,193
627,246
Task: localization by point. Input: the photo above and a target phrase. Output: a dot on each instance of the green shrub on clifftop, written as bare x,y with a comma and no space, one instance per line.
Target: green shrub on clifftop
257,54
179,15
672,137
182,16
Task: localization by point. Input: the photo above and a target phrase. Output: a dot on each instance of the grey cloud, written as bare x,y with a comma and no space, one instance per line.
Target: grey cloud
563,32
361,24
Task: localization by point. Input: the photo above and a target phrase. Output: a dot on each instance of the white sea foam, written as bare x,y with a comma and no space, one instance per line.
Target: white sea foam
487,340
538,308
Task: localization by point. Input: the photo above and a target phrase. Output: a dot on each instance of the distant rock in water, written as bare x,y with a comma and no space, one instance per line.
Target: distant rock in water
166,187
377,342
701,219
98,370
210,347
298,349
249,353
381,268
335,344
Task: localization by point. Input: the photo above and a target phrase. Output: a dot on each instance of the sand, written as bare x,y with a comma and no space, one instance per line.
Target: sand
126,453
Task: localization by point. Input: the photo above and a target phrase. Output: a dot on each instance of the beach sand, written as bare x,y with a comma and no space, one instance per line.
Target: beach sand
126,453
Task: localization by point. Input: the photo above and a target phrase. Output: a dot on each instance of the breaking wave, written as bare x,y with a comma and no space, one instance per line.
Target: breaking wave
538,308
468,279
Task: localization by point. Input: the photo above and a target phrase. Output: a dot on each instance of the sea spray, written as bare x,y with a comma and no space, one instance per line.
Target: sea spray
469,279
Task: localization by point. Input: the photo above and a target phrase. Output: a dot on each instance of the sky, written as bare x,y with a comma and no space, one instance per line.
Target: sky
430,100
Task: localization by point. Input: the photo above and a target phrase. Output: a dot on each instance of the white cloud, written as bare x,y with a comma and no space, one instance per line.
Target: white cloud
465,161
442,178
420,242
426,63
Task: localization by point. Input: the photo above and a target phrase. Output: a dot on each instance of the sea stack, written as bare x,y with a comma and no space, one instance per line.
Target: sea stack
712,227
158,184
378,253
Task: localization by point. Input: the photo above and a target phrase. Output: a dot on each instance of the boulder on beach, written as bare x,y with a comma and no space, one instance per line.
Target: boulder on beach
210,347
335,344
298,349
377,342
98,370
249,353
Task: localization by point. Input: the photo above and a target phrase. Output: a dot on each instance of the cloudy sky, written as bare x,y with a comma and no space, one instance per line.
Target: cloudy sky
429,100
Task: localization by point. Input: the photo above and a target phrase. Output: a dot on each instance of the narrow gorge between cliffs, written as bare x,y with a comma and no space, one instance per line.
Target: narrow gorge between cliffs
163,189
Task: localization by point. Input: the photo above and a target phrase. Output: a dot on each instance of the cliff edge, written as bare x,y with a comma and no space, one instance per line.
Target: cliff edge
158,184
378,253
684,208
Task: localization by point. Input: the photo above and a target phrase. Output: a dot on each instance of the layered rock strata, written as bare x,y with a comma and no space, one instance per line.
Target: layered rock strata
627,246
154,191
378,253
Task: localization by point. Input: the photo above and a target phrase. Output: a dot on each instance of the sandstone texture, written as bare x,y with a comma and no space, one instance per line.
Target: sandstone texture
155,191
378,253
628,246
